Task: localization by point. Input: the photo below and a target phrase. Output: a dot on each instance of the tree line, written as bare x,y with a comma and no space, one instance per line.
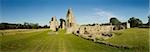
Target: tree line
26,25
134,22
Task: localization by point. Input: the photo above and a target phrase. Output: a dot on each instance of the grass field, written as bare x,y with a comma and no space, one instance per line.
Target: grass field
46,41
133,37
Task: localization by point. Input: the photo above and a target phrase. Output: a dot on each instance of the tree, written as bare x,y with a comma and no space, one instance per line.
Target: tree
26,25
30,25
115,21
46,26
34,26
3,25
135,22
19,26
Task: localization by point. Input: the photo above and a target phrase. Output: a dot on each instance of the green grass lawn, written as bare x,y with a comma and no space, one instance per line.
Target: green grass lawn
46,41
133,37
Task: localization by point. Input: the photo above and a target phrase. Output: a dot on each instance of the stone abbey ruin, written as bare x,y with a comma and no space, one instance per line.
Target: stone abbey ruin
93,32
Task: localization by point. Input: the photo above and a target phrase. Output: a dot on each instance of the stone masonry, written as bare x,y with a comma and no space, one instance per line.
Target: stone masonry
54,24
70,21
95,32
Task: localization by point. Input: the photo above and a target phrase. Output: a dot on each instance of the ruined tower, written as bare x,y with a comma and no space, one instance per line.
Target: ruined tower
70,21
54,24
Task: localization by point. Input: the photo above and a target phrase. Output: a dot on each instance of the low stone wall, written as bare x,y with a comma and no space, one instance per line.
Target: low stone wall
98,34
114,45
95,32
95,29
107,44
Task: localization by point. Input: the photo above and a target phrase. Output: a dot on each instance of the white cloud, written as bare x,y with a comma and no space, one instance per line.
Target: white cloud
105,14
102,13
97,16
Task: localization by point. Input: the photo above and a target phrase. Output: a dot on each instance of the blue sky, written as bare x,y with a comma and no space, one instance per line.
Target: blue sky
85,11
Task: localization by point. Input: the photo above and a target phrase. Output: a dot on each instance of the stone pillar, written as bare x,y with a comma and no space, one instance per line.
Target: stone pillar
128,25
70,22
62,24
54,24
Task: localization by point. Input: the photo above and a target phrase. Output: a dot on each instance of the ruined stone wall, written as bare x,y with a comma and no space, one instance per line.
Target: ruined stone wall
95,32
95,29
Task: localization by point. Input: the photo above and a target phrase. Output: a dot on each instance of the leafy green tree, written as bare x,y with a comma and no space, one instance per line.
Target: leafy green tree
45,26
19,26
115,21
34,26
27,25
135,22
3,25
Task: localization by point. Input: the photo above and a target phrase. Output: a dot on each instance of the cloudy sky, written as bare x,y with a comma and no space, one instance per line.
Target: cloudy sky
85,11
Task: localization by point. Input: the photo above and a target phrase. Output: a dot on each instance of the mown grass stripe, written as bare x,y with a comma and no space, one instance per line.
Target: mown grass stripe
44,41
